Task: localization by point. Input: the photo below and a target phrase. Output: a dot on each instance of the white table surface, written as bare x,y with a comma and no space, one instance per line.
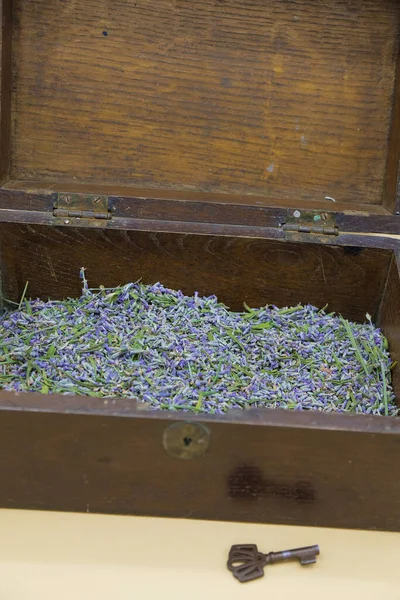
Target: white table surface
69,556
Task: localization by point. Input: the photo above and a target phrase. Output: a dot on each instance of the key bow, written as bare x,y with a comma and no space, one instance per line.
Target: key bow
246,562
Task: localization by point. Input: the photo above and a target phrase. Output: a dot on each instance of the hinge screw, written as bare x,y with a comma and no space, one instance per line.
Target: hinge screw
66,222
297,214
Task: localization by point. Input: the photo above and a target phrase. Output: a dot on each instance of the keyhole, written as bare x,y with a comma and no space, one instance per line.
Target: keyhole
186,440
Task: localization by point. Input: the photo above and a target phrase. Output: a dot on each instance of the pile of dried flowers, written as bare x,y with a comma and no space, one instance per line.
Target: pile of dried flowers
191,353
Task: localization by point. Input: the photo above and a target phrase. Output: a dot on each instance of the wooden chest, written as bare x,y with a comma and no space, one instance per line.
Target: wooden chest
244,148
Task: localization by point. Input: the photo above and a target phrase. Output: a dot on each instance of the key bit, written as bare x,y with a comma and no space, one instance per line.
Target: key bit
247,563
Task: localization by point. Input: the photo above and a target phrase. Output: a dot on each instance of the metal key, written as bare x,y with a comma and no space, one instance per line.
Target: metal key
247,563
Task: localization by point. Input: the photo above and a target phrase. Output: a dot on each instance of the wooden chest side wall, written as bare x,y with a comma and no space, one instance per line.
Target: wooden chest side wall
74,454
237,270
388,317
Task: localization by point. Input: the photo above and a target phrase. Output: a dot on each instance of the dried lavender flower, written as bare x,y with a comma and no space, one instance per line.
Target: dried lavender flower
190,353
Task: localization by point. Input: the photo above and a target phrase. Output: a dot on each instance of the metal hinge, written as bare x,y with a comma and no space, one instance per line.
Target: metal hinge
310,226
81,210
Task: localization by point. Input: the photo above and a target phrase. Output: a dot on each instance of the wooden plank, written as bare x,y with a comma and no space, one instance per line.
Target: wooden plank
174,227
187,213
387,224
5,87
125,194
286,100
79,454
350,240
25,201
389,315
237,270
392,184
192,207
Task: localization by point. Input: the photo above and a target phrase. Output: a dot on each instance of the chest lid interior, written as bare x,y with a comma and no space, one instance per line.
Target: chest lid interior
225,113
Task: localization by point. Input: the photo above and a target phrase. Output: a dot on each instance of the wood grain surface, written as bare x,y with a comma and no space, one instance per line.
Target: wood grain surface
392,189
197,212
389,316
258,272
5,87
285,100
150,194
78,454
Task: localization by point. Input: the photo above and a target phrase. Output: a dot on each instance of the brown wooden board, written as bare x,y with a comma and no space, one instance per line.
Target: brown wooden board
190,212
12,189
83,455
392,191
284,100
236,270
5,87
389,314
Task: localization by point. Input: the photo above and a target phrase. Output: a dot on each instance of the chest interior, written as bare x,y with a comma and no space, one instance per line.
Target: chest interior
203,117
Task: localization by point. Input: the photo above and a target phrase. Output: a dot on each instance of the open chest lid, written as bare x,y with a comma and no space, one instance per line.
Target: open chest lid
248,119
